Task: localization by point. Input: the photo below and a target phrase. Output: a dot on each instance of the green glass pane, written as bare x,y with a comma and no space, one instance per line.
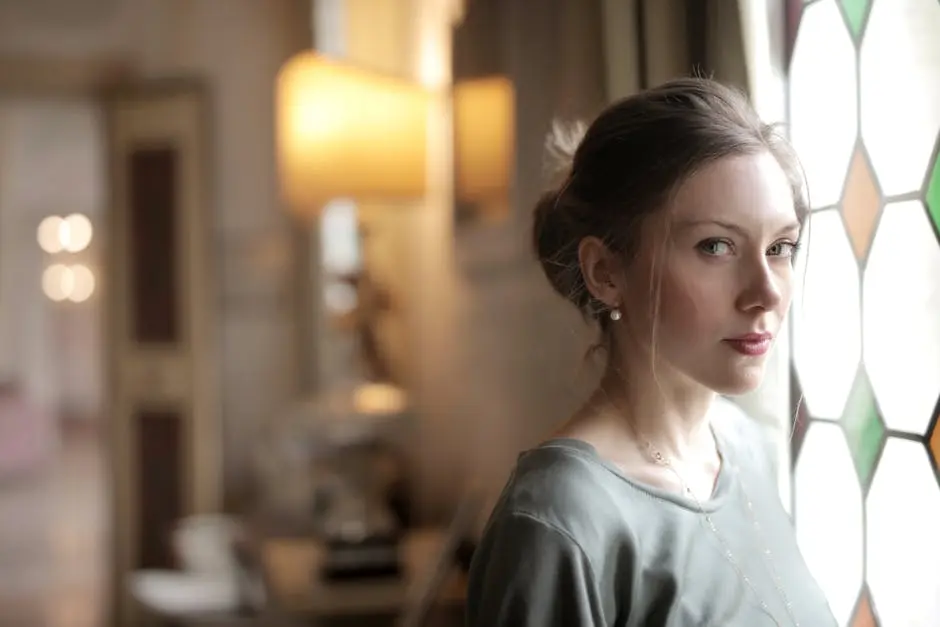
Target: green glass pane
855,12
863,428
933,194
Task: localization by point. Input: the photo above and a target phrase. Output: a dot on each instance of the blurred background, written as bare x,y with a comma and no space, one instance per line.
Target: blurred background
271,335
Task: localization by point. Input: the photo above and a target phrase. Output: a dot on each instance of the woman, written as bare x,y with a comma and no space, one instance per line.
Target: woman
675,232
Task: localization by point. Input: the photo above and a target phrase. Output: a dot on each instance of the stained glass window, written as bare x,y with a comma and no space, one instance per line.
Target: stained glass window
864,103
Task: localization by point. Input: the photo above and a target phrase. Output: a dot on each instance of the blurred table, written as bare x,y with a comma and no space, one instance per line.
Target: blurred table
298,597
291,566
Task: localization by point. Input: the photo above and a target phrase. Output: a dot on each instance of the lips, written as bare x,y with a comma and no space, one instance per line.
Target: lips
752,344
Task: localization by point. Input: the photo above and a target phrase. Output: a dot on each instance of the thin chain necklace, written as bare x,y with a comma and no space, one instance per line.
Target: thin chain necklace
662,460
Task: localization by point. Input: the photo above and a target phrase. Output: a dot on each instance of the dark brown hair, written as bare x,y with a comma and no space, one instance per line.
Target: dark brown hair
631,159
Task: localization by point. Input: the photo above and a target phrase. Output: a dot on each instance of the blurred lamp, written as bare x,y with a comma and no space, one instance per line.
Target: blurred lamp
345,132
70,234
68,282
484,139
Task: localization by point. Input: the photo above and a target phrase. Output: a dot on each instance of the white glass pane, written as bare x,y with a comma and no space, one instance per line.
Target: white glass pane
828,516
900,90
823,102
827,332
901,316
904,537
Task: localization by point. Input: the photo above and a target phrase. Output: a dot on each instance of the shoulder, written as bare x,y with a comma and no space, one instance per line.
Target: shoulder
565,493
553,537
562,484
526,573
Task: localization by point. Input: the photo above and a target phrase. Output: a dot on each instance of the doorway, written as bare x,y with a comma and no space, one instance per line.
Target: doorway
54,508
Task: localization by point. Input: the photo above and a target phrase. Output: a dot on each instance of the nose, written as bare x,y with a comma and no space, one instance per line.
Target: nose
763,289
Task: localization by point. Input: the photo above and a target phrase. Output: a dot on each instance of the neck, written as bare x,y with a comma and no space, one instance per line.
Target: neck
668,411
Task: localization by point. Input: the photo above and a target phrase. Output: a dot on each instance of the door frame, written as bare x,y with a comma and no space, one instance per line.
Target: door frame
175,378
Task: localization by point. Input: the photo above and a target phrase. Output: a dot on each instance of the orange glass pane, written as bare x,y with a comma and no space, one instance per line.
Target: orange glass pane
935,442
860,204
864,617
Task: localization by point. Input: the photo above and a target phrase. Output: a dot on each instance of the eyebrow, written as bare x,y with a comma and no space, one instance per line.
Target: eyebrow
687,224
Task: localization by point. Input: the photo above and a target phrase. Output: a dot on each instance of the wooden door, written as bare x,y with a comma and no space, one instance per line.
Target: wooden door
165,436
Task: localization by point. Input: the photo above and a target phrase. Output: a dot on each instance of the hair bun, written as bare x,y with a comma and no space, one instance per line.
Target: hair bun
552,222
545,227
554,248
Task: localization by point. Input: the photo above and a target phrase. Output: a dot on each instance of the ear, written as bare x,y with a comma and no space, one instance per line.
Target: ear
602,271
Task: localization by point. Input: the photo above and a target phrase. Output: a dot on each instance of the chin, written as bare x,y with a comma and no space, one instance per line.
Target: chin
736,382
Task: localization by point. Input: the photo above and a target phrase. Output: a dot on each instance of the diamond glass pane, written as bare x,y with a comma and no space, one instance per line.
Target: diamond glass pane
903,540
934,443
933,194
823,100
863,428
860,203
826,324
794,9
900,91
901,300
855,14
828,516
864,616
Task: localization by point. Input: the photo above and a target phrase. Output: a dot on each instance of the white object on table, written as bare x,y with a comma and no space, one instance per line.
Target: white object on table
178,594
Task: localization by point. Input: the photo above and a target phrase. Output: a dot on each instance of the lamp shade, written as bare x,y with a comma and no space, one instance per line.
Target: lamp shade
484,139
345,132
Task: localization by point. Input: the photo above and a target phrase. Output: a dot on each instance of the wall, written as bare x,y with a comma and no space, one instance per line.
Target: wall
238,47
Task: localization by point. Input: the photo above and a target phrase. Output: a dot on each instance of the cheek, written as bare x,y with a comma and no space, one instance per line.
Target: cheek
786,285
786,299
688,307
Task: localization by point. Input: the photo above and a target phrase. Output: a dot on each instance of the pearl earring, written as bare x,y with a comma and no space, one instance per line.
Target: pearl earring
615,314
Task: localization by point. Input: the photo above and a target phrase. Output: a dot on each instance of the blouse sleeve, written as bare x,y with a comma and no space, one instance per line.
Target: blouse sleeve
527,573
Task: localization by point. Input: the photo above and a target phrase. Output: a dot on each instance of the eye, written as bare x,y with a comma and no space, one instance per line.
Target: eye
783,249
716,247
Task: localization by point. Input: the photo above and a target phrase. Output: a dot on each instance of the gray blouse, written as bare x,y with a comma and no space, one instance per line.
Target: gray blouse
574,542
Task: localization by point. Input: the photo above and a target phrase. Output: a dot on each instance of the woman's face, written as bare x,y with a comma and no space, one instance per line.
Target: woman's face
721,259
